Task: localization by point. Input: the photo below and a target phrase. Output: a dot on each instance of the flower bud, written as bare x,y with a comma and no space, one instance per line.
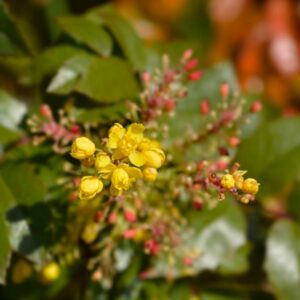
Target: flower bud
224,90
250,186
82,148
234,141
90,232
187,54
151,247
204,107
197,203
169,105
45,110
89,187
22,270
129,216
227,181
50,272
150,174
256,106
239,179
195,76
191,64
75,129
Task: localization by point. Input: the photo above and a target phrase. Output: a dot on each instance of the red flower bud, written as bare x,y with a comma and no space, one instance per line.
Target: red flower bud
224,90
146,77
112,218
73,196
75,129
129,234
129,216
187,54
200,165
187,261
204,107
256,106
98,216
169,105
191,64
45,110
152,247
197,203
234,141
195,76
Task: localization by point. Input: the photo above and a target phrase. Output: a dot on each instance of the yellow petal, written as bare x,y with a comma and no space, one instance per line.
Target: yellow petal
133,172
137,158
135,131
114,191
115,135
117,154
154,158
102,160
120,179
106,171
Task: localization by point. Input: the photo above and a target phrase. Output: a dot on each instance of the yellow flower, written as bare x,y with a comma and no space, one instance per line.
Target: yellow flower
122,178
90,232
239,179
148,153
82,148
50,272
150,174
250,186
227,181
115,134
22,270
89,187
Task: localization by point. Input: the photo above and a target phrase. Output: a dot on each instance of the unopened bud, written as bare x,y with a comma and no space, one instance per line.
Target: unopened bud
256,106
204,107
234,141
195,76
224,90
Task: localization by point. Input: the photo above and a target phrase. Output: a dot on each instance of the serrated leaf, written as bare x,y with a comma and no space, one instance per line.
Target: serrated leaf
87,32
282,262
124,33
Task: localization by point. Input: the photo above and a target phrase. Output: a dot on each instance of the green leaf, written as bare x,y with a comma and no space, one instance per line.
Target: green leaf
8,47
26,187
103,80
47,62
87,32
282,262
5,251
271,154
124,33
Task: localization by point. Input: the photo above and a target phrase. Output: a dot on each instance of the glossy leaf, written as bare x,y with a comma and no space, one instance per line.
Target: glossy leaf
282,262
124,33
108,80
87,32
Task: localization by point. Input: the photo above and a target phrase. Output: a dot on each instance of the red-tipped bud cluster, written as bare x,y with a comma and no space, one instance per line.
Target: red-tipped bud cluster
45,111
191,64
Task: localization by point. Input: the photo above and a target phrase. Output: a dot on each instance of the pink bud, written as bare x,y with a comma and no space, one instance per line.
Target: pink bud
112,218
145,77
45,111
187,54
195,76
256,106
224,90
200,165
234,141
76,180
169,105
197,203
152,247
98,216
129,216
75,129
191,64
73,196
129,234
187,261
221,165
204,107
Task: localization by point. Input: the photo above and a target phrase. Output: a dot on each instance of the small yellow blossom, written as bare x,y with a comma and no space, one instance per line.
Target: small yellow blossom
89,187
50,272
239,178
150,174
227,181
22,270
250,186
82,148
90,232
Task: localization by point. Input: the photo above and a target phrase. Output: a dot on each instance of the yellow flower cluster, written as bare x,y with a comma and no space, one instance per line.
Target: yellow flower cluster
236,180
129,156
